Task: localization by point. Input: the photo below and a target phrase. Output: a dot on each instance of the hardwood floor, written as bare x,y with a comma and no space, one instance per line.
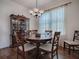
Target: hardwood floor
10,53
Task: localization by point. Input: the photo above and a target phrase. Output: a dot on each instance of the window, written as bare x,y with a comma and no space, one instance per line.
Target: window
53,19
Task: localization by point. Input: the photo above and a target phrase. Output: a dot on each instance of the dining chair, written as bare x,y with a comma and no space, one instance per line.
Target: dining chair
53,46
22,47
32,32
38,35
48,33
72,44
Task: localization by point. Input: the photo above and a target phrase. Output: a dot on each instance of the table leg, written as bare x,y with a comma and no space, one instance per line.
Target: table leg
37,51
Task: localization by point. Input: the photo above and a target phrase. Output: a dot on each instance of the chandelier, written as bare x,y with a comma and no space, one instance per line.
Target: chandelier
36,12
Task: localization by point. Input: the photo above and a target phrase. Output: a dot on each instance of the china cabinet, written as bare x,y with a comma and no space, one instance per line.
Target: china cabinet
18,23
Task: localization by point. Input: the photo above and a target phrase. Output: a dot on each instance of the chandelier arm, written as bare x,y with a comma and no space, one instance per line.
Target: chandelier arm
36,12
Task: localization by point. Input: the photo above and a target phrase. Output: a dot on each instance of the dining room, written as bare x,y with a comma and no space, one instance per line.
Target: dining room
39,29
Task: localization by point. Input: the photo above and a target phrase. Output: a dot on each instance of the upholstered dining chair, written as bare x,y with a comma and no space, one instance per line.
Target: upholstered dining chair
48,33
22,47
72,44
53,46
32,32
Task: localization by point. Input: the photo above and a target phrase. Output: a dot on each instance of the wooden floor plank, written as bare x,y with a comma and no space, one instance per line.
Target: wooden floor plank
10,53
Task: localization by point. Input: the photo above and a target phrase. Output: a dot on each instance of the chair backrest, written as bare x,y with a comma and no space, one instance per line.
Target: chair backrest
38,35
55,41
76,35
48,33
18,38
32,32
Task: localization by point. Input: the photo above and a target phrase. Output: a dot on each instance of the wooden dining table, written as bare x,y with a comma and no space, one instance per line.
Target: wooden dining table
37,41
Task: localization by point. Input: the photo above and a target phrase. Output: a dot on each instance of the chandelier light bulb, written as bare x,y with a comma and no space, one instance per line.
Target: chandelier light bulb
39,14
31,11
41,11
36,10
34,14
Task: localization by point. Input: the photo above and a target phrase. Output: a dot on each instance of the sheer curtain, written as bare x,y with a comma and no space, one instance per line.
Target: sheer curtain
53,20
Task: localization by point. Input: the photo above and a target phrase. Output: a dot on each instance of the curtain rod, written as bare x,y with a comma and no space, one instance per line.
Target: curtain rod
59,6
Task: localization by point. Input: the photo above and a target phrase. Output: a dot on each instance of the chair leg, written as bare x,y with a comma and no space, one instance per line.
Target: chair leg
17,53
24,55
69,49
73,48
51,56
64,45
57,54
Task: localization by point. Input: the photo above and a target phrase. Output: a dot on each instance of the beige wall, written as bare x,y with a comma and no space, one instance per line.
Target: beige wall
72,18
6,8
33,23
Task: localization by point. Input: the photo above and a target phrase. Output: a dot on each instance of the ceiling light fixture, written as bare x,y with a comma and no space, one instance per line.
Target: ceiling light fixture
36,12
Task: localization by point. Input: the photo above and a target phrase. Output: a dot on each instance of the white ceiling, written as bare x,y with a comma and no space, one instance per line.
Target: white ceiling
31,3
